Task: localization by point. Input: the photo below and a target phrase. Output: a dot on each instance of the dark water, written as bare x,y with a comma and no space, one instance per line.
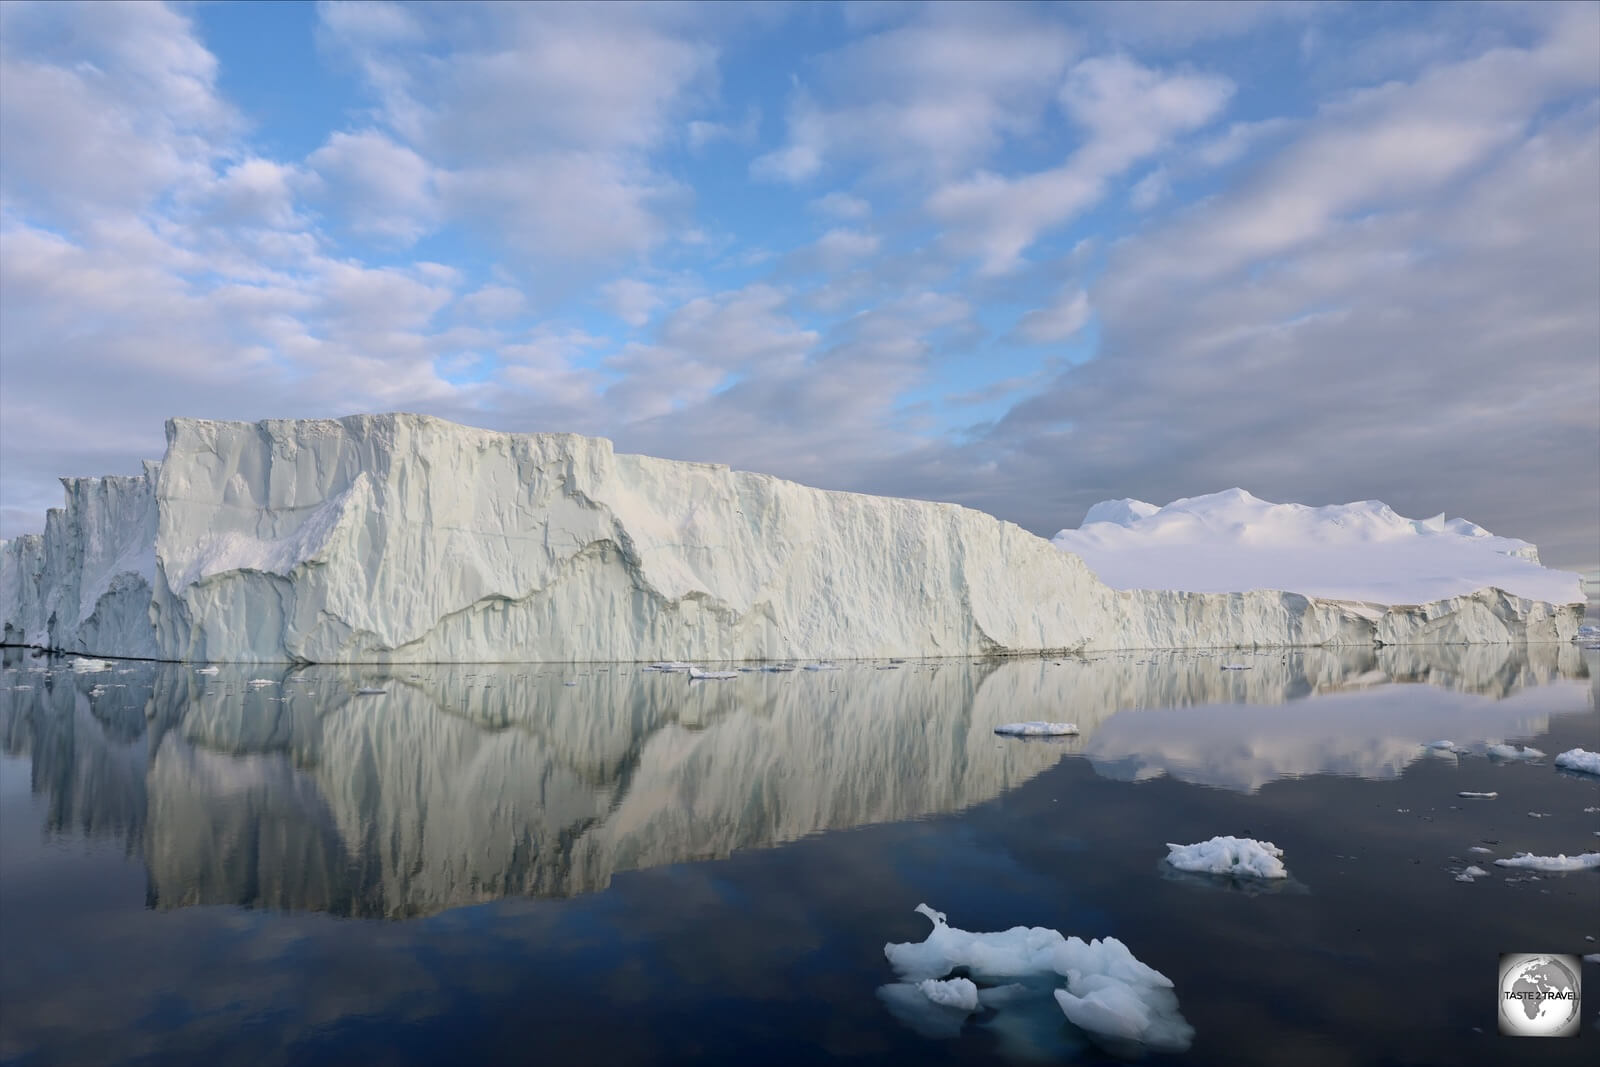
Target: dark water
488,865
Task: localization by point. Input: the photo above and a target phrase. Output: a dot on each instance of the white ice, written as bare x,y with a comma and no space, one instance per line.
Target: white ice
369,691
696,674
1240,857
90,666
821,667
1109,993
1037,729
1577,759
1477,796
957,993
1472,873
1514,752
1442,746
1232,542
1236,667
1528,861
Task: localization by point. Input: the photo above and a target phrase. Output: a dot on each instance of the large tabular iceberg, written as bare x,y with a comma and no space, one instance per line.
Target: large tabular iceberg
407,538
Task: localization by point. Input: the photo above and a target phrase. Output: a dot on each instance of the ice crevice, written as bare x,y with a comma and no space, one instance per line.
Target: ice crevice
405,538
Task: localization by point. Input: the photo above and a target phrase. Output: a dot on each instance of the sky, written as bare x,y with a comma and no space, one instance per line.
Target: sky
1023,258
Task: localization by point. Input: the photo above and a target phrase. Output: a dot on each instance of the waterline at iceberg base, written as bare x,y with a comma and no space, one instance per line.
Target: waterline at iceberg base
405,538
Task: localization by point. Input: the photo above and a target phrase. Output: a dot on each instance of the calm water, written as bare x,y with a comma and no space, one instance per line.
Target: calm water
492,865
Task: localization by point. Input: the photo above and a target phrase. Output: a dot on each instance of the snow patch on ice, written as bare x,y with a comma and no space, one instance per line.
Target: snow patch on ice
1237,857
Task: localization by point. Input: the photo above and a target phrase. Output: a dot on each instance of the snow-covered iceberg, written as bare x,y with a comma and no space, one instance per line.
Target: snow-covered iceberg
1577,759
1586,861
1233,542
404,538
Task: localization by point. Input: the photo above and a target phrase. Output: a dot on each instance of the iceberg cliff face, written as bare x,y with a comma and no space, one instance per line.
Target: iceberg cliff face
406,538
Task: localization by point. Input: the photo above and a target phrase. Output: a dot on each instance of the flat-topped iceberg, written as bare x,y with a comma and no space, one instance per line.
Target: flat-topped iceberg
1585,861
404,538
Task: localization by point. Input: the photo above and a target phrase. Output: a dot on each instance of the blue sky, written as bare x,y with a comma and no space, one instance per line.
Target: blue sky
1020,257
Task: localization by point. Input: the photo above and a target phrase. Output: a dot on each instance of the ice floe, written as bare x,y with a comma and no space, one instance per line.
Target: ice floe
90,666
1577,759
1477,796
1237,857
1514,752
697,675
1037,729
1109,993
1472,874
1528,861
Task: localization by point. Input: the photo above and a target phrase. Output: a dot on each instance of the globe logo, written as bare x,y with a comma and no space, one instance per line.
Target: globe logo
1540,995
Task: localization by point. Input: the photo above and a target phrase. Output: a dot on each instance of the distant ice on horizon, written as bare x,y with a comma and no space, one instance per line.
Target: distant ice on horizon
1233,542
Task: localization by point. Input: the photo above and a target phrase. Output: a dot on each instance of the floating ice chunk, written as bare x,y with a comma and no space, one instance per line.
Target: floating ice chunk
821,667
1514,752
569,683
668,668
698,675
1477,796
1110,994
1481,850
1442,746
1238,857
957,993
1577,759
90,666
1472,873
260,683
207,670
1237,667
1528,861
911,1006
369,691
1037,729
1592,957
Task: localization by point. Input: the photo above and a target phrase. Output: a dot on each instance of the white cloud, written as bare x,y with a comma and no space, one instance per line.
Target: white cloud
377,187
842,206
1150,190
1128,112
1069,313
931,95
631,300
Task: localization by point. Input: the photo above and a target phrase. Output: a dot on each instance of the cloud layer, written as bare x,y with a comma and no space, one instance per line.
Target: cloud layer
1022,258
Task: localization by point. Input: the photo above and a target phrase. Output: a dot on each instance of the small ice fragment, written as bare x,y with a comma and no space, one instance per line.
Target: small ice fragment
1477,796
1514,752
1470,873
369,691
89,666
698,675
206,670
1528,861
569,683
1239,857
1236,667
821,667
1480,849
957,993
1037,729
1538,814
670,667
1591,957
260,683
1577,759
1443,746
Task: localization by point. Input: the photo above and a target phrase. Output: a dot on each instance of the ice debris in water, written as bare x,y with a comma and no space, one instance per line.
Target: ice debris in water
1240,857
1037,729
260,683
369,691
90,666
1236,667
821,667
1472,873
669,668
1442,746
696,674
1577,759
1481,850
1514,752
1528,861
1109,993
1477,796
207,670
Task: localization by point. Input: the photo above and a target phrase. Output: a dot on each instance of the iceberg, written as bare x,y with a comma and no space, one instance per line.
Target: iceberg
1037,729
1110,994
1586,861
1577,759
406,538
1236,857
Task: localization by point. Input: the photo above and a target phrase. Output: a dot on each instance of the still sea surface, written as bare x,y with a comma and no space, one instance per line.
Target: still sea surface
601,864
